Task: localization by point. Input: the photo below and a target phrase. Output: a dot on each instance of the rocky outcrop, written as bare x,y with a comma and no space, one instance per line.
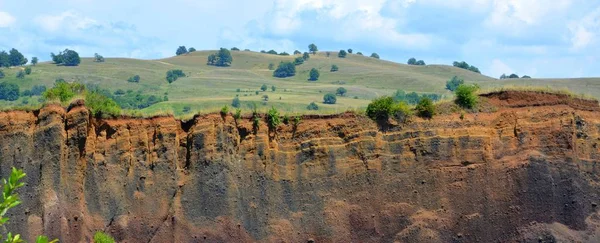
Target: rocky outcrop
523,173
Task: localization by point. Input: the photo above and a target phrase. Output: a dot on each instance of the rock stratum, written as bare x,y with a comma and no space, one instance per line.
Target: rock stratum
528,172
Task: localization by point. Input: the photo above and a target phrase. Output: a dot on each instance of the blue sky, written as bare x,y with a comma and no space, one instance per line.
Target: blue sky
541,38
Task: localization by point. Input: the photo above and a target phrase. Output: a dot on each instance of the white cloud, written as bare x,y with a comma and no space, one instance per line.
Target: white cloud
498,68
585,30
515,15
68,20
6,20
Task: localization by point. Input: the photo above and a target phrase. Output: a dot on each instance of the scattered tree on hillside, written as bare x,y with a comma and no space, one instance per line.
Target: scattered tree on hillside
9,91
329,99
420,63
1,74
375,55
285,69
98,58
235,49
134,79
305,56
465,96
313,75
382,108
4,59
334,68
412,61
312,106
296,52
503,76
273,88
263,87
359,53
327,54
350,51
513,76
220,59
453,83
265,97
342,54
263,51
34,61
173,75
181,50
341,91
466,66
192,49
298,61
271,66
425,108
284,54
413,98
15,58
313,48
526,76
272,52
27,70
235,102
20,74
66,58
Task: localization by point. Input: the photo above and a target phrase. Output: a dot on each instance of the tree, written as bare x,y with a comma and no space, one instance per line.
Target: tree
101,105
513,76
263,51
380,109
285,69
181,50
465,96
27,70
4,59
235,49
425,108
66,58
314,75
296,52
98,58
284,54
263,87
34,61
220,59
173,75
375,55
272,52
466,66
412,61
329,99
305,56
298,61
503,76
312,106
265,97
134,79
271,66
341,91
273,88
235,102
474,69
9,91
359,53
334,68
192,49
313,49
526,76
350,51
420,63
273,119
20,74
342,54
453,83
15,58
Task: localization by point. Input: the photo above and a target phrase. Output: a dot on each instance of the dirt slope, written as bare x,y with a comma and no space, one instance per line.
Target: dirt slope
526,173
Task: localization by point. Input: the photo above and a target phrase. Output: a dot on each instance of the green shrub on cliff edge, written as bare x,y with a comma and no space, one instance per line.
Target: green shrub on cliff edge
63,91
101,105
101,237
10,199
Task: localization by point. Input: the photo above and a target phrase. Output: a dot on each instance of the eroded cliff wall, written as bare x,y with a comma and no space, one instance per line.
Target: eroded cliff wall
527,172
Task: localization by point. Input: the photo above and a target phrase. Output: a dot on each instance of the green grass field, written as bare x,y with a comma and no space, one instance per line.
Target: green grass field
208,88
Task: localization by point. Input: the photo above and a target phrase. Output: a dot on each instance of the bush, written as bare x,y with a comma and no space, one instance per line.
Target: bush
453,83
381,108
264,87
466,66
192,49
63,91
1,74
119,92
312,106
412,61
20,74
235,102
173,75
181,50
272,52
224,111
314,75
271,66
350,51
375,55
305,56
273,119
38,90
513,76
273,88
329,99
298,61
285,69
101,237
341,91
9,91
237,115
235,49
526,76
284,54
465,96
221,59
413,98
186,109
401,112
100,105
265,97
27,70
296,52
359,53
98,58
334,68
135,79
342,54
425,108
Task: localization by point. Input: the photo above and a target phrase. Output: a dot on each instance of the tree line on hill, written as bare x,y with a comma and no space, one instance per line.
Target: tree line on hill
504,76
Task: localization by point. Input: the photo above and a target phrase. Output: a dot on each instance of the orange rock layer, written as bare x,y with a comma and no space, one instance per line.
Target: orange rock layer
527,172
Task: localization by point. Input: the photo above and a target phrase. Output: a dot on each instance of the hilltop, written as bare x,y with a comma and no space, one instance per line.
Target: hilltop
207,88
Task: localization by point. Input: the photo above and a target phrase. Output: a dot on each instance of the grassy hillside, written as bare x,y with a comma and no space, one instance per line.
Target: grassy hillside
207,88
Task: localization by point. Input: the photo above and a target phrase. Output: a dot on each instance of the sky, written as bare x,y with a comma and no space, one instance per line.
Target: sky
540,38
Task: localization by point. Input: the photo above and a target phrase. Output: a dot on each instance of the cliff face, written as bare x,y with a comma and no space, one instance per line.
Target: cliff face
527,172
